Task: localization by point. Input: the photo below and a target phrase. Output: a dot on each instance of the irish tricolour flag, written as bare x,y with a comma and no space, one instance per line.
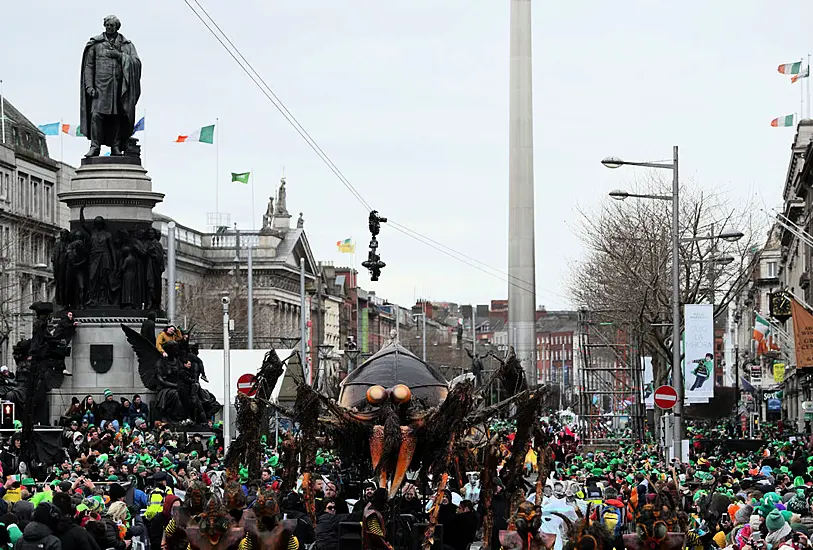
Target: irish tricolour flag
203,135
762,329
790,68
782,121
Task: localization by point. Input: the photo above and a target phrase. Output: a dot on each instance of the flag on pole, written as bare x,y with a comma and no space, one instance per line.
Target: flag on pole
240,177
72,130
51,129
783,121
346,246
203,135
803,74
139,126
790,68
762,329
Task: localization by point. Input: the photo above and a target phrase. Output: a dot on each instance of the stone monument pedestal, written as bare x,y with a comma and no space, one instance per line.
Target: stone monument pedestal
100,359
118,189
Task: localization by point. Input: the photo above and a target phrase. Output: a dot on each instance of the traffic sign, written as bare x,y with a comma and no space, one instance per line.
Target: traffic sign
244,384
666,397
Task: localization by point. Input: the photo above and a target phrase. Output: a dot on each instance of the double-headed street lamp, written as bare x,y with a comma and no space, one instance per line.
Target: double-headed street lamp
677,374
677,371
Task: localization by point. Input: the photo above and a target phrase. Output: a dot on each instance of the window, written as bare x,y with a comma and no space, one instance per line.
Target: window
771,270
48,211
35,193
7,188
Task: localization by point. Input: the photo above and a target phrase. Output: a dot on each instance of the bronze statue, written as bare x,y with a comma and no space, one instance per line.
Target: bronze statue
300,223
76,266
155,260
175,374
59,261
101,261
110,88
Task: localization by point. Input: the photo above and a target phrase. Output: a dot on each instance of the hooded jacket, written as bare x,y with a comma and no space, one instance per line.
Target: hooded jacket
38,536
159,522
74,537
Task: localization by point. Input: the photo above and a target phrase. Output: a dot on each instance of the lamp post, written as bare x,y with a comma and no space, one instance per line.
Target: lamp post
351,355
324,353
423,333
730,236
227,375
250,309
677,373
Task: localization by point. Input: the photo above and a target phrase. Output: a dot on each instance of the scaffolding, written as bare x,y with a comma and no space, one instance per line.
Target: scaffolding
611,404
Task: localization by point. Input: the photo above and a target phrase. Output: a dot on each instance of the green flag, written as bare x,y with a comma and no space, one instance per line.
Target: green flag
241,178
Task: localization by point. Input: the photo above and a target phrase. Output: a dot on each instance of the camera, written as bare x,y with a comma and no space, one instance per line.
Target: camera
225,300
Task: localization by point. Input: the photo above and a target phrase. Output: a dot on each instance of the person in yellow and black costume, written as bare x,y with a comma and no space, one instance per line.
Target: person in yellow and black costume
373,523
263,528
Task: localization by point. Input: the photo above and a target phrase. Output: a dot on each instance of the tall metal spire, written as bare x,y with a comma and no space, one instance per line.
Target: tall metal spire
521,252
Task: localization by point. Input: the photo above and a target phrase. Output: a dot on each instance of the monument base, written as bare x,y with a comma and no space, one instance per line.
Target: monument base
101,358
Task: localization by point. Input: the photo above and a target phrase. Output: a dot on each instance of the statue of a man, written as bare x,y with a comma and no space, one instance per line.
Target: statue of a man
282,209
269,213
111,86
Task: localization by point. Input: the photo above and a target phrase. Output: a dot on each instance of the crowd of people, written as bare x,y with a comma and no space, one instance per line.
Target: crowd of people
125,482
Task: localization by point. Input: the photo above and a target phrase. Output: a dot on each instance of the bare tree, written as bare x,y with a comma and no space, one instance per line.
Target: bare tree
628,263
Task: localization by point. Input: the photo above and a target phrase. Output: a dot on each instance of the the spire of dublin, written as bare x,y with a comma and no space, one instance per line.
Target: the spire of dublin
521,254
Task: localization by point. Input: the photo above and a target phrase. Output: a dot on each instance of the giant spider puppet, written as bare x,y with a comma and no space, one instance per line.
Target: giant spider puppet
175,377
397,414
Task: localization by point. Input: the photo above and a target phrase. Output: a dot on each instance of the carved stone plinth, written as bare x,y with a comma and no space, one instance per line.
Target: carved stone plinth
95,338
116,188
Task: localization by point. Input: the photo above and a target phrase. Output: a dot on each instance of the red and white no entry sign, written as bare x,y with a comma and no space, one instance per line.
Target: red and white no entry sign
666,397
244,384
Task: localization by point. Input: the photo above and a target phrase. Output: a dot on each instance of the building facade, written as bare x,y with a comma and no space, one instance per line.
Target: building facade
30,219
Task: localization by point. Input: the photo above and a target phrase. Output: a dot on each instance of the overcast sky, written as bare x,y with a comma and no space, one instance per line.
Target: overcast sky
410,100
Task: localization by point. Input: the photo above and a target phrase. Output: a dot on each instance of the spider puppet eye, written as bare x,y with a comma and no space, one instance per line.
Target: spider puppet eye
401,394
376,395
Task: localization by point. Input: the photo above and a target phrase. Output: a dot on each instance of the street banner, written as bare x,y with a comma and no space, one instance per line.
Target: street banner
778,372
698,370
649,383
802,335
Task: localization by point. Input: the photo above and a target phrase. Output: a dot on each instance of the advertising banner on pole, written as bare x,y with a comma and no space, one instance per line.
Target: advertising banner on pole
698,370
649,383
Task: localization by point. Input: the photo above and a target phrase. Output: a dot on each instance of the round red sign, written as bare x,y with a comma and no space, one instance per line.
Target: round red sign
244,384
666,397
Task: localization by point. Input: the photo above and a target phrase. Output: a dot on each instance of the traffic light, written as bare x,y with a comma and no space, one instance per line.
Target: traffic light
373,262
375,222
8,415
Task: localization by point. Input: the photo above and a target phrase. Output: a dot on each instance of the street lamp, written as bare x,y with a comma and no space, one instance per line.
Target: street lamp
719,260
728,236
423,336
323,353
677,373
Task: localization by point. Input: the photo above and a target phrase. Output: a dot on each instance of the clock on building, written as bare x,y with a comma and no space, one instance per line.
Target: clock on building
780,305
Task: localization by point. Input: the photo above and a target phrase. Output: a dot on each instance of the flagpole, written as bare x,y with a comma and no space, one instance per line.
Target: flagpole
253,224
808,85
802,93
217,171
2,112
61,145
144,139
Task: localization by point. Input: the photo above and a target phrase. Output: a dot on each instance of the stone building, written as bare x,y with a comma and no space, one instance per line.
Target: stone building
30,219
211,265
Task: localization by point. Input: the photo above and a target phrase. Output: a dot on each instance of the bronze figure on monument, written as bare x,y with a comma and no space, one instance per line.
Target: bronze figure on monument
110,88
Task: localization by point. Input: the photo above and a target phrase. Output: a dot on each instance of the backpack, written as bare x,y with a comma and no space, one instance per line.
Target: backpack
612,518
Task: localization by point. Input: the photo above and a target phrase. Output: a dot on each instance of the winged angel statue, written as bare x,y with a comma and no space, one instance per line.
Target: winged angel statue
176,378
